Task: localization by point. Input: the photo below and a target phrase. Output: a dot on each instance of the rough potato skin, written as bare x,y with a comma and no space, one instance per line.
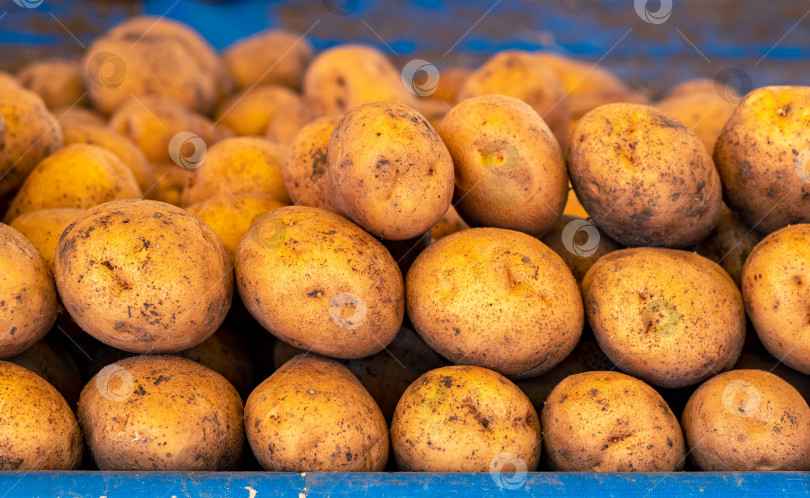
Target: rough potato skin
317,281
495,298
610,422
776,289
274,56
669,317
579,243
729,244
747,420
162,413
313,415
389,171
44,227
38,430
509,169
306,163
144,276
28,300
763,159
464,419
644,178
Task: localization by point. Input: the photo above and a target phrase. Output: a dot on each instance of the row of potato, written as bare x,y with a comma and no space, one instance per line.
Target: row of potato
144,183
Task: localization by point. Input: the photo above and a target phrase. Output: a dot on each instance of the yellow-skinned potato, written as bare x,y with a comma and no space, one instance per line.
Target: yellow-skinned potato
350,307
44,227
509,169
273,110
28,301
763,156
305,164
54,363
341,78
705,113
729,244
39,429
58,82
144,276
450,223
465,419
274,56
579,243
747,420
672,318
161,413
389,171
776,288
70,116
610,422
313,415
495,298
78,176
644,178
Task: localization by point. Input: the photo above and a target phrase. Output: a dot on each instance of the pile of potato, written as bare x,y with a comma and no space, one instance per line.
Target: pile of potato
263,259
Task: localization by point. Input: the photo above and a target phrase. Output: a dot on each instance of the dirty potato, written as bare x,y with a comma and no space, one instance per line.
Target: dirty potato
58,82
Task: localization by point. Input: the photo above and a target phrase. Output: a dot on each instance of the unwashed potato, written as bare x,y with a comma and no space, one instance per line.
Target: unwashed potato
763,156
274,56
305,164
610,422
465,419
273,110
313,415
44,227
509,169
705,113
58,82
77,176
161,413
53,362
319,282
450,223
729,244
343,77
70,116
39,429
776,289
28,301
144,276
644,178
388,170
495,298
672,318
579,243
239,165
747,420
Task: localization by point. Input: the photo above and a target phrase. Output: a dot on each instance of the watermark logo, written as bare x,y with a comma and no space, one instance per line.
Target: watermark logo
115,383
500,156
732,84
341,7
269,233
508,471
802,165
659,16
107,69
348,310
420,77
28,4
187,150
741,398
662,314
580,248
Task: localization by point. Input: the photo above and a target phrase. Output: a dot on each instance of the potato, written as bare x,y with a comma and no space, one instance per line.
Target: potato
319,282
450,82
43,228
239,165
39,429
32,134
78,176
579,243
230,216
161,413
729,244
747,420
53,362
704,113
671,318
273,110
28,301
522,75
305,164
495,298
465,419
313,415
144,276
763,156
58,82
610,422
343,77
273,56
450,223
70,116
510,171
776,288
645,179
389,171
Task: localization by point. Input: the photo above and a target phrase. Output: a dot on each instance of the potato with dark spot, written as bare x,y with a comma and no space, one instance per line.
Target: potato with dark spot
162,413
465,419
39,429
28,300
644,178
672,318
306,163
53,362
610,422
273,110
317,281
313,415
274,56
495,298
776,290
44,227
747,420
388,170
57,81
144,276
729,244
509,169
579,243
